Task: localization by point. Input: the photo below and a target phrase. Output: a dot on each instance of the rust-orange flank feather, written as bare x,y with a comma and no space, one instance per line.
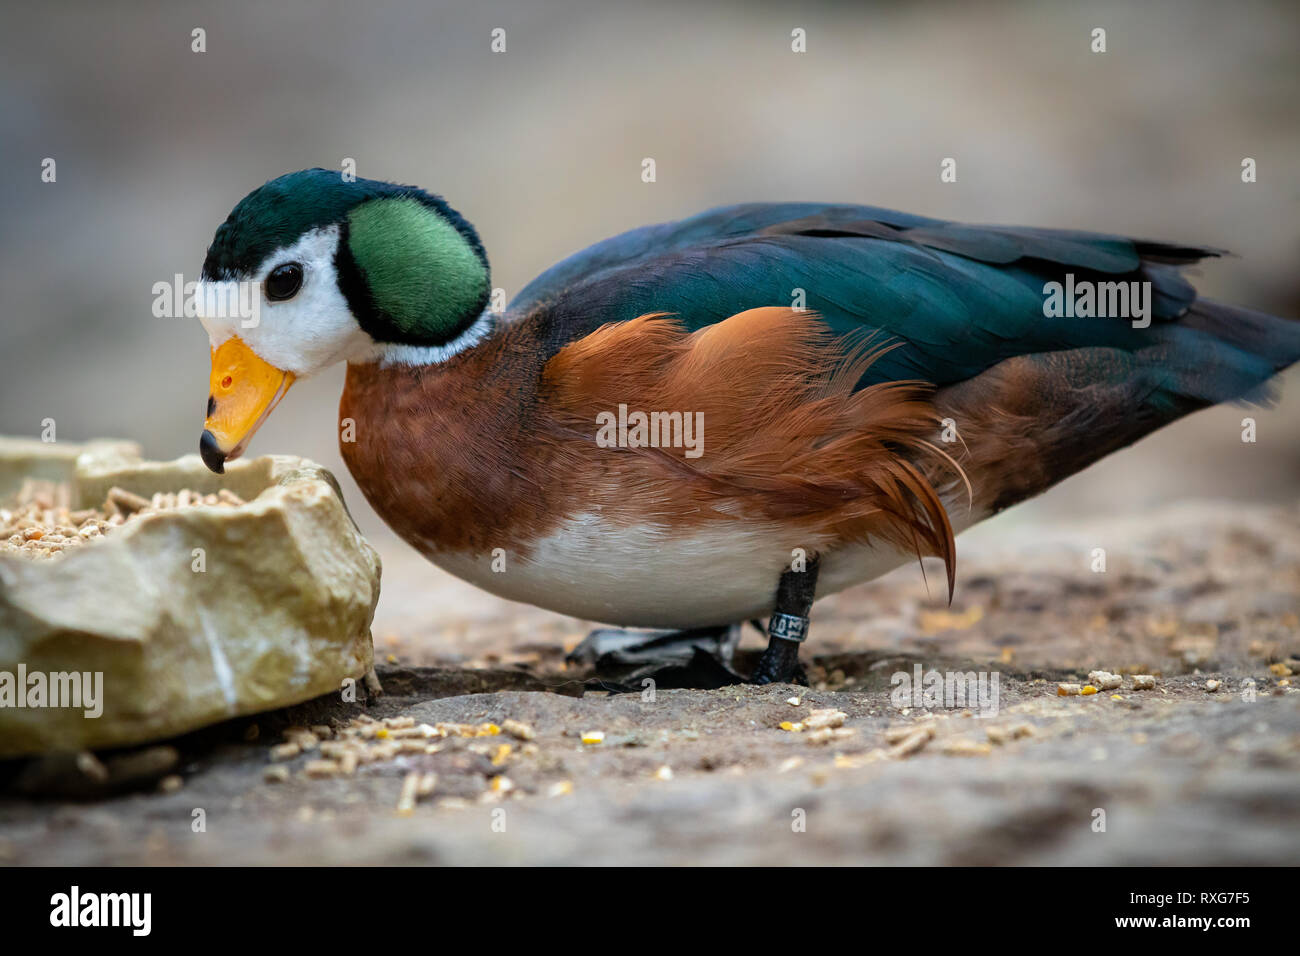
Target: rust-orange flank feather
786,437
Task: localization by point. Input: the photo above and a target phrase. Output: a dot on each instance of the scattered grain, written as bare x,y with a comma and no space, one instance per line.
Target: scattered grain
285,751
1104,680
517,729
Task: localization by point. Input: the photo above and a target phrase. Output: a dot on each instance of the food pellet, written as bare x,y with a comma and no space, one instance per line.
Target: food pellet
961,747
826,717
895,734
592,737
1143,682
91,766
304,738
1068,690
1002,735
912,743
285,751
1104,680
517,729
406,799
1212,686
38,523
126,502
826,734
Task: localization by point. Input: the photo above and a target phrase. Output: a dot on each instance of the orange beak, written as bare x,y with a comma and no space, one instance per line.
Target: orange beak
241,394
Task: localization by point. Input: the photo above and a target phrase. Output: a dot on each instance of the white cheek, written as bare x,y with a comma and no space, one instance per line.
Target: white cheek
309,332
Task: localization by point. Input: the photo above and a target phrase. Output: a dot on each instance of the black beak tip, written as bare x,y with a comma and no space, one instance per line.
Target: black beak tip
212,456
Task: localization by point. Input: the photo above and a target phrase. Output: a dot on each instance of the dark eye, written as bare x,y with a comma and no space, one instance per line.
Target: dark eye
284,282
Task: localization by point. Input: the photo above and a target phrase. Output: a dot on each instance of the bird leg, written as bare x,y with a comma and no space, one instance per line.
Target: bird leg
788,627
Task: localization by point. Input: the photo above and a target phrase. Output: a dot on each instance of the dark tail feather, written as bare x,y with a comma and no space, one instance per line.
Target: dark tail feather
1036,419
1219,353
1269,337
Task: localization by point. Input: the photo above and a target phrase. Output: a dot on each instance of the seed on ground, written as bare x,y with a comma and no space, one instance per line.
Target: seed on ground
826,717
517,729
912,743
285,751
963,747
410,790
1105,680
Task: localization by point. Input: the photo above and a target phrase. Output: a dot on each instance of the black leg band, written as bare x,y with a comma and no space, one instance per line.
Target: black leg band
789,627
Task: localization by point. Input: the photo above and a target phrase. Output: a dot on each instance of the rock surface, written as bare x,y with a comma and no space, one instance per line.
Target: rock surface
192,616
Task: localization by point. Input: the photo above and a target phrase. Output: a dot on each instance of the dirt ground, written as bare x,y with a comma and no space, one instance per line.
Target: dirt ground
1176,774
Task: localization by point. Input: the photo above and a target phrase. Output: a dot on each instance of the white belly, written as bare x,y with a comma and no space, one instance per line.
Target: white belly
643,576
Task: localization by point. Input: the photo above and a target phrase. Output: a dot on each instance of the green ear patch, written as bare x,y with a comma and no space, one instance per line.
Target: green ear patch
413,276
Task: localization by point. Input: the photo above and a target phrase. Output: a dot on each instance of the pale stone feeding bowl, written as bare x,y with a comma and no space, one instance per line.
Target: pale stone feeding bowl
280,614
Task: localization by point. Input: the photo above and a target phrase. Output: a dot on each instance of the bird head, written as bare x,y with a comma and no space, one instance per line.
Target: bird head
312,269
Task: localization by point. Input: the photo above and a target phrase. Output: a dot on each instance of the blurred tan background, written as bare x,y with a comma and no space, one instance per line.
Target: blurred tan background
541,148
